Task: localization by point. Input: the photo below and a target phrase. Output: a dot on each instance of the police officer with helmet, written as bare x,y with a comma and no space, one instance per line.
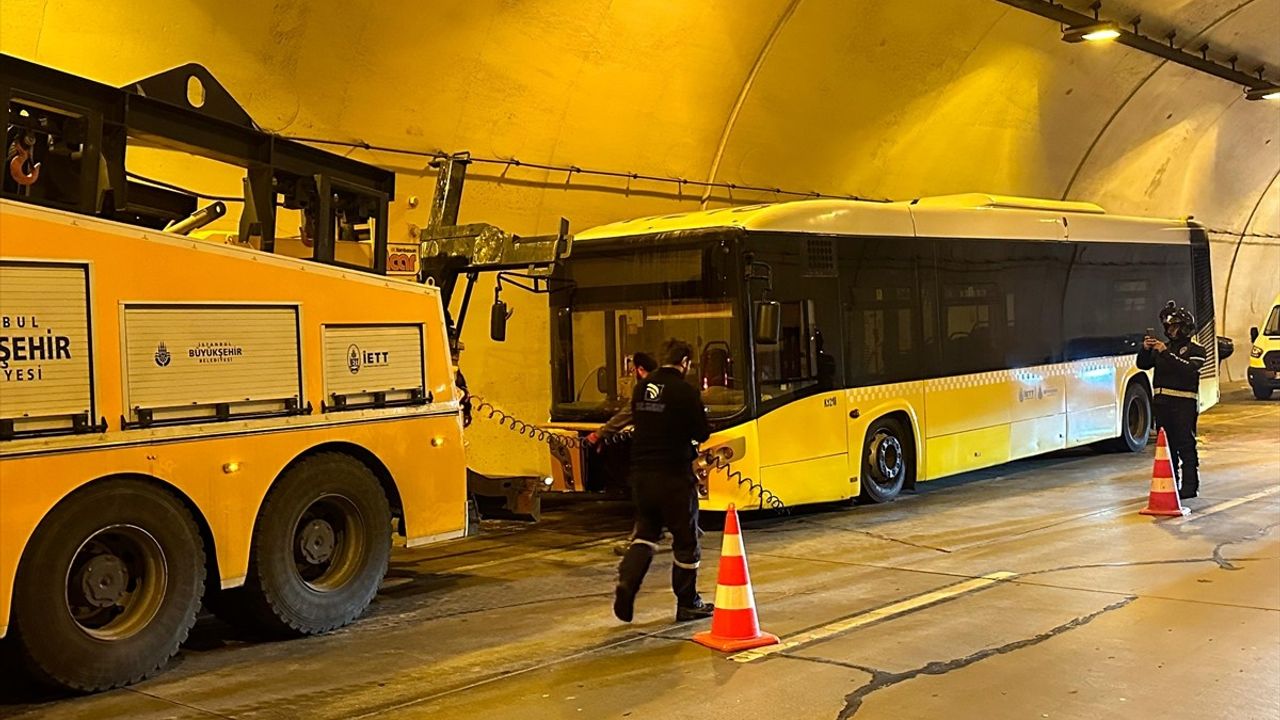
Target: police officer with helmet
670,420
1177,389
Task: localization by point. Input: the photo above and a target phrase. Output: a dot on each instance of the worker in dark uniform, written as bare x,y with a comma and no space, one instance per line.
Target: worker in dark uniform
670,421
642,364
1177,391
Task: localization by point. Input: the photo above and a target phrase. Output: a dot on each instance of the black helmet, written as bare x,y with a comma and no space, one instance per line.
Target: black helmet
1174,315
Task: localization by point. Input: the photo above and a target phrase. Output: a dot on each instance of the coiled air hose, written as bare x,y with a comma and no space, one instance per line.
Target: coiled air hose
489,411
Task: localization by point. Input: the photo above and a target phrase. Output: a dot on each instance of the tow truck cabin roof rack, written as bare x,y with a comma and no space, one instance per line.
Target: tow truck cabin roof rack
67,137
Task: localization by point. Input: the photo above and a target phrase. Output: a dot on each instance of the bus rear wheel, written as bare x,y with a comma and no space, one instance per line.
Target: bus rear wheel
1135,420
320,548
887,460
109,587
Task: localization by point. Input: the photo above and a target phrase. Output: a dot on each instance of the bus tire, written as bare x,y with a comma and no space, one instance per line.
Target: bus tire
320,548
1135,420
888,460
109,587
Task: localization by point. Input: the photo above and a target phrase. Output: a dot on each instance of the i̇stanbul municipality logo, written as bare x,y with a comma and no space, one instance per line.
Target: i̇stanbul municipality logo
163,357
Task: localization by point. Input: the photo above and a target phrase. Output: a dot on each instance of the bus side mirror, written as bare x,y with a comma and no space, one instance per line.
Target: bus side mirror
1226,348
498,316
768,322
1253,334
602,381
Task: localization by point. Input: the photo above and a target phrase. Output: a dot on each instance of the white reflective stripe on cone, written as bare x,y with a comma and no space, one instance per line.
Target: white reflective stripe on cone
734,597
686,566
1162,485
731,546
1162,452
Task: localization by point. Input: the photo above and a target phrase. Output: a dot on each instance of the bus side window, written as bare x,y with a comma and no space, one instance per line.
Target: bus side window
806,284
791,363
973,305
885,331
1116,290
973,326
1033,288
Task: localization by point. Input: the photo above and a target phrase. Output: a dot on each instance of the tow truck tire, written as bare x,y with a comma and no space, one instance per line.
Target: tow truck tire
320,548
109,587
888,460
1135,421
1262,393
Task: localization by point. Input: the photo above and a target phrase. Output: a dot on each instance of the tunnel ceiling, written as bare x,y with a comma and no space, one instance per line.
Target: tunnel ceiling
845,96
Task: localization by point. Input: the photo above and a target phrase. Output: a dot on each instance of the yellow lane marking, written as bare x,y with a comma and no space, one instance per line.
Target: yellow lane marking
871,616
1229,504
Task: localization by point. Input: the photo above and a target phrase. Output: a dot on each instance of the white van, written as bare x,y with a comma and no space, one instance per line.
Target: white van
1264,356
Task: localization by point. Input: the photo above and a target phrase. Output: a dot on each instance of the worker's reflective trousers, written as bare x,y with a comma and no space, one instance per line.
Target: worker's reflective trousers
667,499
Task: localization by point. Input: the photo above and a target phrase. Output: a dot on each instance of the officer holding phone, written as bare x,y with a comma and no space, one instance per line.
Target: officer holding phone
1177,390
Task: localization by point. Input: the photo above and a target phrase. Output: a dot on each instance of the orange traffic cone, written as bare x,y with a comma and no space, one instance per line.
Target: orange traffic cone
734,625
1164,495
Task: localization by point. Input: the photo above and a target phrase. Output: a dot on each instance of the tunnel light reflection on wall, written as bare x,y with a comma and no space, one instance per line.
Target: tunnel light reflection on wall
1093,32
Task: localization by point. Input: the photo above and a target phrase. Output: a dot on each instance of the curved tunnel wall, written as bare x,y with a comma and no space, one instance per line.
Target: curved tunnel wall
861,97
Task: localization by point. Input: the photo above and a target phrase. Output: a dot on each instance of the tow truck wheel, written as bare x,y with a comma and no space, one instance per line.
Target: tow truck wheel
109,587
888,460
320,548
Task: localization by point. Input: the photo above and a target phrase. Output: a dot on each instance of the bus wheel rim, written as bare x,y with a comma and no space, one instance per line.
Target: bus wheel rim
116,582
886,454
328,543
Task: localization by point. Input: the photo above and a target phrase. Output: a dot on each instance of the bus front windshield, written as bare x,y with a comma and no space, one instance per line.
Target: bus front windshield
634,300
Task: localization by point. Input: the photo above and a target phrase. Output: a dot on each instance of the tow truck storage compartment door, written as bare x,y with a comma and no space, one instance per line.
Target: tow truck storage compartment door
373,366
194,363
46,367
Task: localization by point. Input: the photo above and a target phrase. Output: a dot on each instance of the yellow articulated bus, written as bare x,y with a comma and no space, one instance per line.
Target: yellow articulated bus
176,414
851,348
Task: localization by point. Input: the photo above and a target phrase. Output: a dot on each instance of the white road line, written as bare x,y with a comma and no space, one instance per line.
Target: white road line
1229,504
1246,417
871,616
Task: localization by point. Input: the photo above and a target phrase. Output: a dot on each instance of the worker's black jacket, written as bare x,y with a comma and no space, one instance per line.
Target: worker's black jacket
1177,368
669,419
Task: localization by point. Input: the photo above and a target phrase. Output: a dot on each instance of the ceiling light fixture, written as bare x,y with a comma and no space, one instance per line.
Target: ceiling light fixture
1078,27
1093,32
1265,92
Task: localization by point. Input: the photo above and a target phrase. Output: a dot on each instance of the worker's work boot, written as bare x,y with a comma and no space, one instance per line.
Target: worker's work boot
699,611
624,604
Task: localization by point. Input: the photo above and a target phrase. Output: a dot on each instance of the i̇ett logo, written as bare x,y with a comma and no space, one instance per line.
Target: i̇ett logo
357,358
